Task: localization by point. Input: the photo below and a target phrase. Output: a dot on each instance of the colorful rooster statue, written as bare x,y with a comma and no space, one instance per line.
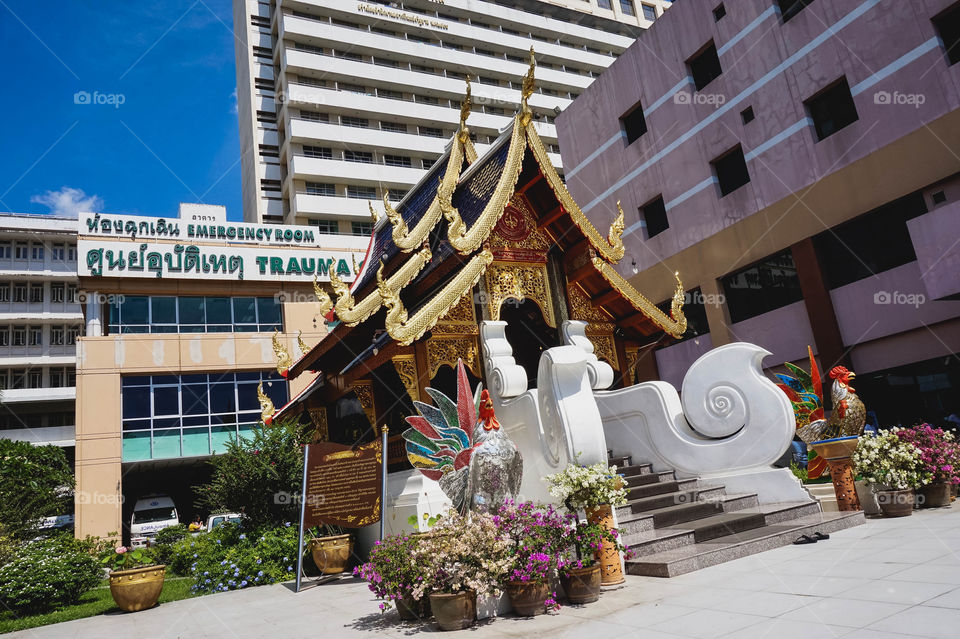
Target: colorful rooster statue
477,466
806,394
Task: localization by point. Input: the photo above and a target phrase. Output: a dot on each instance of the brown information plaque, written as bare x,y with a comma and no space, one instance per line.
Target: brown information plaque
342,485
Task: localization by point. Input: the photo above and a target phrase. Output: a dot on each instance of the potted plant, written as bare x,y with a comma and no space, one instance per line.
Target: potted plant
595,489
537,539
135,579
331,548
462,557
392,574
580,568
940,457
894,466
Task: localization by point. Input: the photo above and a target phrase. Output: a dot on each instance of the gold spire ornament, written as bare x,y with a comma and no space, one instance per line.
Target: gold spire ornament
352,312
615,236
266,405
374,215
356,267
465,106
326,304
527,89
304,349
280,352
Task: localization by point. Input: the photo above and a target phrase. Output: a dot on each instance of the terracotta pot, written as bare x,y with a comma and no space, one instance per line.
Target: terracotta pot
837,452
935,495
137,588
896,503
527,598
611,568
331,554
582,585
454,611
411,609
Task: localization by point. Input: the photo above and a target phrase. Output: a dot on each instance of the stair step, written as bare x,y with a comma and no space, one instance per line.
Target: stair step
659,488
634,470
649,478
619,460
674,498
687,558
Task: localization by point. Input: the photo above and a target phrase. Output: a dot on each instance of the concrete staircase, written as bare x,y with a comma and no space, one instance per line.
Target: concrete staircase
675,526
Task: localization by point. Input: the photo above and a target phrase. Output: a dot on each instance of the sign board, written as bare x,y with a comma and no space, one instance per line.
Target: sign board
342,485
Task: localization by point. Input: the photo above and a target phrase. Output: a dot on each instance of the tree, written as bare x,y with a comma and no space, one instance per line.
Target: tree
35,482
260,477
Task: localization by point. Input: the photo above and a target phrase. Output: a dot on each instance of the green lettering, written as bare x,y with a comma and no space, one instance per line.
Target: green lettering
343,268
276,265
262,263
292,265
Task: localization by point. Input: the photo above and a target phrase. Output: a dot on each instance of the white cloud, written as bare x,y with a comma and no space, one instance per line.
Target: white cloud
69,202
233,102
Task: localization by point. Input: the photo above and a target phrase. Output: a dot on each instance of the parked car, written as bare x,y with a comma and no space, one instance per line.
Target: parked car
221,518
151,514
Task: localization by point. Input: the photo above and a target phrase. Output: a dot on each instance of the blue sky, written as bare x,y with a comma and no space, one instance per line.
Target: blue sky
173,136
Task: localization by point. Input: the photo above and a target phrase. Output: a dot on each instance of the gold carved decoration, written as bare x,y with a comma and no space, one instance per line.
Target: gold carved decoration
364,391
519,281
611,247
352,313
516,234
461,313
406,367
633,358
604,347
465,240
465,104
266,405
404,329
447,350
581,308
526,90
280,352
326,304
321,429
304,349
675,325
374,215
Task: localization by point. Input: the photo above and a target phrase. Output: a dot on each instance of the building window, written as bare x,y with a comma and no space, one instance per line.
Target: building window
397,160
626,6
348,55
4,337
58,377
73,332
719,12
4,292
363,157
58,252
398,194
747,115
362,192
431,132
393,127
71,252
790,8
36,293
731,171
326,227
314,116
768,285
426,163
361,228
654,216
5,250
20,292
948,27
72,296
35,336
56,292
649,12
356,123
34,378
832,109
321,152
189,314
57,334
874,242
21,250
633,123
321,188
427,99
352,88
384,62
269,150
311,82
36,252
705,66
604,4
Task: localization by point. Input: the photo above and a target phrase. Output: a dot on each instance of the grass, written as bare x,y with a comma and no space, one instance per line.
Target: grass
95,602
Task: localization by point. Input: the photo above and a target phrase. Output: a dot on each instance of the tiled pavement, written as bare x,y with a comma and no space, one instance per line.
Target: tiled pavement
888,578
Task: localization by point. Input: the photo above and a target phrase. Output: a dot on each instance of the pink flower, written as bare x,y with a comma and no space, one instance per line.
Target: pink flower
121,549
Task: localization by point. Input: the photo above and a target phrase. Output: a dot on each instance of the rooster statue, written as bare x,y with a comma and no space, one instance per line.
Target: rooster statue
477,465
806,394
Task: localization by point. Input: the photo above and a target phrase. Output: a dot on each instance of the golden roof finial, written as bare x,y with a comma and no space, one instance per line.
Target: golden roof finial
465,105
374,215
326,304
615,236
529,85
283,357
676,307
304,349
356,267
266,405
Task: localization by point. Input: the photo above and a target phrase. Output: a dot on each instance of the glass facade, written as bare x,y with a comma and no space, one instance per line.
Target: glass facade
167,416
170,314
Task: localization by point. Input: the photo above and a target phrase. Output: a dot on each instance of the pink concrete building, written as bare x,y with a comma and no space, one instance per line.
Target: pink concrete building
798,162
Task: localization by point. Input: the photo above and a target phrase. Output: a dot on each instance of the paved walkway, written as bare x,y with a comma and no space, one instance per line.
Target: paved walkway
888,578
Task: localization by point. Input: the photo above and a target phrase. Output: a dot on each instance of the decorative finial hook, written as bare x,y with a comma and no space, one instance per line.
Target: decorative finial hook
465,106
527,89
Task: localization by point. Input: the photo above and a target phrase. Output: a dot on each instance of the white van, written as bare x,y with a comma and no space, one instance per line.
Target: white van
151,514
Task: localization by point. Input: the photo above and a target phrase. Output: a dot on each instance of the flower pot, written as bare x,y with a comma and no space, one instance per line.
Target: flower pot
527,597
331,554
611,569
582,585
411,609
896,503
137,588
454,611
837,452
867,494
936,495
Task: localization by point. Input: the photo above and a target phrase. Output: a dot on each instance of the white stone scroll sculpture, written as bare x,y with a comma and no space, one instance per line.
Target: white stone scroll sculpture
541,421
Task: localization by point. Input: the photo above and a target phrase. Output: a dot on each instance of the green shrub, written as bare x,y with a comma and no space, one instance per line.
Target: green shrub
36,482
46,574
260,477
232,558
165,541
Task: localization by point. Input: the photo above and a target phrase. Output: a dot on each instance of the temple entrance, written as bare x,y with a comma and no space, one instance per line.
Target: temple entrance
528,334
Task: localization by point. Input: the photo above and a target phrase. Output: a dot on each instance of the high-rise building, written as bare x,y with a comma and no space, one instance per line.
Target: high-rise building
324,88
40,320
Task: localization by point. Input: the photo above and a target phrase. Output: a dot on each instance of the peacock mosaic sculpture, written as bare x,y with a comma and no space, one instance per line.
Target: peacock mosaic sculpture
805,391
461,445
